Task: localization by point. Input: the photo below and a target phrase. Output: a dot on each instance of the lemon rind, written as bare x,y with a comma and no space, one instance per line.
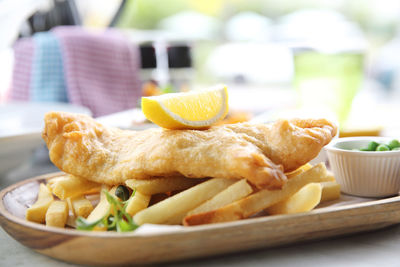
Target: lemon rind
202,123
176,121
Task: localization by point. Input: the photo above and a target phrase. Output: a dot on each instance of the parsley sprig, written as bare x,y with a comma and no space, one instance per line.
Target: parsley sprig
116,219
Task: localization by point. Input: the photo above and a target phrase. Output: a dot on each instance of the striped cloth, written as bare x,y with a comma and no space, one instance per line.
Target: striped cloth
101,70
21,77
47,78
96,70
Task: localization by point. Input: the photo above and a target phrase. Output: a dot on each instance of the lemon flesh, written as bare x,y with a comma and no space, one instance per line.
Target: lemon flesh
190,110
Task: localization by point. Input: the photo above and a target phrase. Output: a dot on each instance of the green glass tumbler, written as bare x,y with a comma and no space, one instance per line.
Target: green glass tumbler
328,81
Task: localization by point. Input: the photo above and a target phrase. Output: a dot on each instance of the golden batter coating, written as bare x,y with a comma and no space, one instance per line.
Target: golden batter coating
260,153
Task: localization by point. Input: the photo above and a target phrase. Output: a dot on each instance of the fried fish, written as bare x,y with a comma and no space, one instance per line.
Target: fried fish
260,153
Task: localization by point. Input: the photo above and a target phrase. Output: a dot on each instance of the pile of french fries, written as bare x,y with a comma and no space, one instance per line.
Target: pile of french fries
180,200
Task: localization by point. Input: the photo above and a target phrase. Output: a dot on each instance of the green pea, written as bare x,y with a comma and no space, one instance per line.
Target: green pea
122,192
382,147
394,144
372,146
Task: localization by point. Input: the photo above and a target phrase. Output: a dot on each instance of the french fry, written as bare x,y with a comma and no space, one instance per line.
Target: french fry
182,202
330,191
177,219
258,201
80,206
296,172
234,192
330,177
103,207
161,185
37,212
72,186
57,214
137,203
307,198
71,221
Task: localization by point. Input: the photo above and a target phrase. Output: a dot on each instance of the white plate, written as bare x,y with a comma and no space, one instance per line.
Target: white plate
155,244
131,119
21,125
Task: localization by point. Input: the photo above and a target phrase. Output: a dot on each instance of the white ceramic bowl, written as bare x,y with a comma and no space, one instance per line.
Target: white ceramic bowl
361,173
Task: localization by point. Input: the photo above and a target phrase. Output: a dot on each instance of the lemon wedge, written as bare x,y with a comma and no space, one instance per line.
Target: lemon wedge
190,110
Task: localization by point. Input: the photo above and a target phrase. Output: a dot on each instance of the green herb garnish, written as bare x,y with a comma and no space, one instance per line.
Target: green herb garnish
116,219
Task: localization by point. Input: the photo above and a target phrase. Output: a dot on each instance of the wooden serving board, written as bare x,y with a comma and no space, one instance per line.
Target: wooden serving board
179,243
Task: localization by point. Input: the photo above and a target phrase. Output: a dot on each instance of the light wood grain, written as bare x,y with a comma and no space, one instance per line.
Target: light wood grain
191,242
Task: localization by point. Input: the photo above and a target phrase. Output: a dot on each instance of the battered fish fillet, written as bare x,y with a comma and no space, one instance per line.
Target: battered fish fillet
259,153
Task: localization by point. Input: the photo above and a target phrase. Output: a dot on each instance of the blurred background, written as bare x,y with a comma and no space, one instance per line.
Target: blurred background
304,58
279,58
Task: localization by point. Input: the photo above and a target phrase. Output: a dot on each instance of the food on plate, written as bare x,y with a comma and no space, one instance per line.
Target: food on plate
208,102
37,212
57,214
161,185
307,198
258,201
375,146
236,116
330,190
192,171
303,168
330,177
72,186
80,206
260,153
190,110
103,207
182,202
120,209
234,192
137,202
109,217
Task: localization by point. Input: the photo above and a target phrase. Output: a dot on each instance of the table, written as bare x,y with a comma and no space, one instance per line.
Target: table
379,248
375,248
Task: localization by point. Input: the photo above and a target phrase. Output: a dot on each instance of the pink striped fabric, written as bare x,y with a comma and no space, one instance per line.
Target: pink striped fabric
101,70
23,56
